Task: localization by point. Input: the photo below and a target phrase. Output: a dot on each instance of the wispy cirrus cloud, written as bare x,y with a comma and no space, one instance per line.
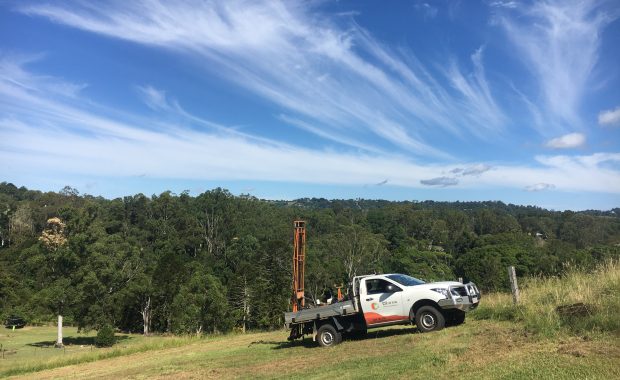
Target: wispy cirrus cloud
475,90
12,72
306,64
41,132
560,42
428,10
156,99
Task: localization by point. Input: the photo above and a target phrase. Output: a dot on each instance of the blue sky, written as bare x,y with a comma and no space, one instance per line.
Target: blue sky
445,100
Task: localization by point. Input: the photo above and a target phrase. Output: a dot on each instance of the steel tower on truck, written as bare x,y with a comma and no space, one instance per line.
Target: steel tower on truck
299,258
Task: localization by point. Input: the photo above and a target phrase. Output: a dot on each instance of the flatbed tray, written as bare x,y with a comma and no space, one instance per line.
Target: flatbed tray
320,312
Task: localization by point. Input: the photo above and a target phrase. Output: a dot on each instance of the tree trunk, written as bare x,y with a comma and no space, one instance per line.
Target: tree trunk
59,339
246,304
146,316
245,308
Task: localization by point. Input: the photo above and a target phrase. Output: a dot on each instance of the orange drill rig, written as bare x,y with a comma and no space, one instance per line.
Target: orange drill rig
299,257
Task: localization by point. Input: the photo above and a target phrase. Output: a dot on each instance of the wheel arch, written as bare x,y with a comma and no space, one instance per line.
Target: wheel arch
423,302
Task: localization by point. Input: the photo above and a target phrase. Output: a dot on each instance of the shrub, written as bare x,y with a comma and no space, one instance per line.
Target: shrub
105,337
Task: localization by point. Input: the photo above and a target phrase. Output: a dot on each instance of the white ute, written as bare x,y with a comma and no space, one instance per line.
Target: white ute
382,300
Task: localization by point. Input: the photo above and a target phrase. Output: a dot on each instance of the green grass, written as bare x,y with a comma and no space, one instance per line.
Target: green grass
32,349
540,298
479,349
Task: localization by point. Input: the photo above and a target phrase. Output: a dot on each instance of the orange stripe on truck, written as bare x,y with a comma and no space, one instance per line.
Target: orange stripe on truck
372,318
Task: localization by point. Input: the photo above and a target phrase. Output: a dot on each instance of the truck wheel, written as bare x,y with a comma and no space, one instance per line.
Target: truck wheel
428,319
328,336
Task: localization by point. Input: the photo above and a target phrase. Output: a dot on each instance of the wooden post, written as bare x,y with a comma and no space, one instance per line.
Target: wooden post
513,284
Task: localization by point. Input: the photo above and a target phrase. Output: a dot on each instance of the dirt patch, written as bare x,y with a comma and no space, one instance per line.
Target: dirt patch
579,347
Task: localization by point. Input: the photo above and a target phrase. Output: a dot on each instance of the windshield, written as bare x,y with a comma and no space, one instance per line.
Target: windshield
403,279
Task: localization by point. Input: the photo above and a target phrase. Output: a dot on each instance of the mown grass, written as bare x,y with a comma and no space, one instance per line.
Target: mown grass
31,349
598,291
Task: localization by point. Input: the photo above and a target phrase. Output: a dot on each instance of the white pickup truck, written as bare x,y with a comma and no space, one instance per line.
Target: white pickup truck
382,300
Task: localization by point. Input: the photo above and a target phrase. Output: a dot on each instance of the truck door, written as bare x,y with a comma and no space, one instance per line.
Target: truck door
382,302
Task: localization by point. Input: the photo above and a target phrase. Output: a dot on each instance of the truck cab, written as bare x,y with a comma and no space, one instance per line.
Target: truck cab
397,298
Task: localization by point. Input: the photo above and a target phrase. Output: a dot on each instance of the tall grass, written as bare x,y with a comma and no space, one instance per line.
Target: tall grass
540,297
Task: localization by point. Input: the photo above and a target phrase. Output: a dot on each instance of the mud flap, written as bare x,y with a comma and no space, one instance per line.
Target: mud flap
314,330
337,324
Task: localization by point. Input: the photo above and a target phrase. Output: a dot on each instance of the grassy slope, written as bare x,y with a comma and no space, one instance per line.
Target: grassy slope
479,349
599,290
500,342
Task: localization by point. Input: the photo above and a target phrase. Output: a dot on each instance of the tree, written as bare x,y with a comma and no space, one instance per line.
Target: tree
352,251
200,305
426,265
21,225
53,239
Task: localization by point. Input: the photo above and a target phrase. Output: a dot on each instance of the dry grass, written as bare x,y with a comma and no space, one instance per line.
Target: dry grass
599,291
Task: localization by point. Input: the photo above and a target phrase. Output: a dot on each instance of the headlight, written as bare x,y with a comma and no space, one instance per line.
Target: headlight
442,291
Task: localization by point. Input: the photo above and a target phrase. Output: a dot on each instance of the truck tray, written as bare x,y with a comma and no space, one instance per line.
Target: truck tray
321,312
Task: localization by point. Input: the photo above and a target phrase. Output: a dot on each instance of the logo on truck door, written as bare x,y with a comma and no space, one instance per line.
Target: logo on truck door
375,306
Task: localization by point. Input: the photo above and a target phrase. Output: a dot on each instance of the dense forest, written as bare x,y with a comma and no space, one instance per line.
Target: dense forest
216,262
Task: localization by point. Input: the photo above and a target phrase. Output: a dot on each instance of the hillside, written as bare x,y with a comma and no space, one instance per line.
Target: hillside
497,341
183,264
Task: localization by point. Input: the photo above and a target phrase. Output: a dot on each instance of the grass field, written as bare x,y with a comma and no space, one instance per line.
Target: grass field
498,341
478,349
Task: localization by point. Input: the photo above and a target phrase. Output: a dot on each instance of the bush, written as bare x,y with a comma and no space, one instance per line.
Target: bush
105,337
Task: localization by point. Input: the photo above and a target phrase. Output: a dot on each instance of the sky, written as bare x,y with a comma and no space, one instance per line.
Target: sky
515,101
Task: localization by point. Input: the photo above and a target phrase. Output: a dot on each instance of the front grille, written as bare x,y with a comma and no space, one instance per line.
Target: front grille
461,291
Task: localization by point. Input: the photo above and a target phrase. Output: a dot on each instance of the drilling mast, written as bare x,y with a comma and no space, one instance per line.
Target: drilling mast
299,258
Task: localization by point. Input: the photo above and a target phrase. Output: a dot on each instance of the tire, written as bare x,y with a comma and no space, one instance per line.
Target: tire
428,318
454,317
358,334
327,336
458,318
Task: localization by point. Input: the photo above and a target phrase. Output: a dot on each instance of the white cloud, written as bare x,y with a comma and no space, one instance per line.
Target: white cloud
540,187
560,43
440,181
609,117
571,140
309,65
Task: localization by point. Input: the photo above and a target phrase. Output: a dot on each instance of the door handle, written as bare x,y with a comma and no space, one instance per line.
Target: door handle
369,299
